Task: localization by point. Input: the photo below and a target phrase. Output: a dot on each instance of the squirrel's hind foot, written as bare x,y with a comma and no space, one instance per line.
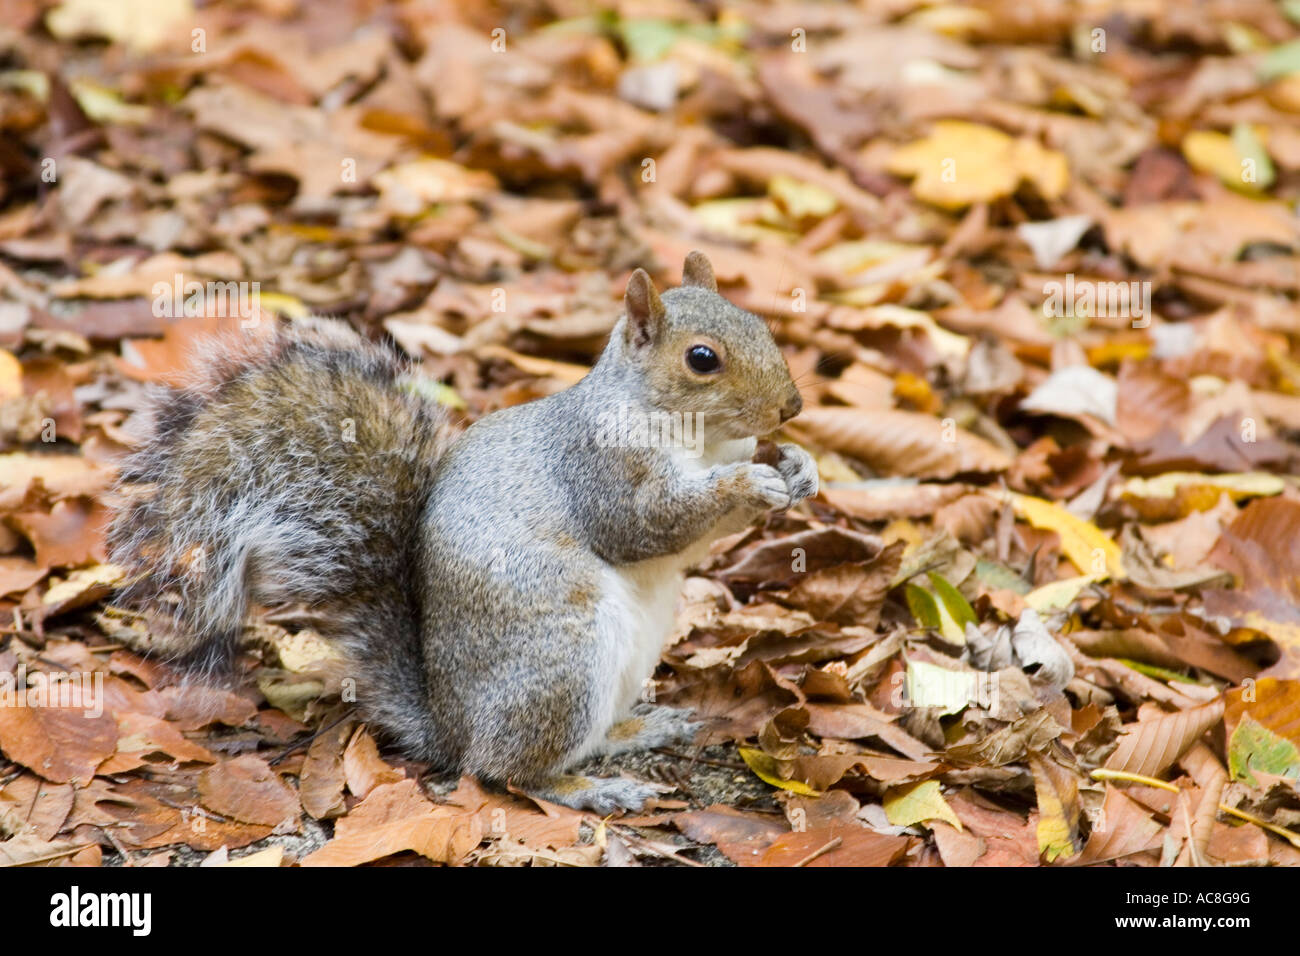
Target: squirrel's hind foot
651,726
601,795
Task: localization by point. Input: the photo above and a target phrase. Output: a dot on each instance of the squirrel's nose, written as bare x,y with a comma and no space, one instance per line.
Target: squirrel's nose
792,407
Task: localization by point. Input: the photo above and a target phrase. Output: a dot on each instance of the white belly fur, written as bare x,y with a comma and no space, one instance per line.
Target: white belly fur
635,615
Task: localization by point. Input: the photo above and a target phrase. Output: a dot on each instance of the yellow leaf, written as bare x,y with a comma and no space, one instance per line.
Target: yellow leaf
32,82
1087,546
434,391
859,255
287,305
1059,594
1223,156
444,394
951,631
1239,485
1285,633
962,163
802,200
140,24
105,105
291,694
1056,831
11,376
741,218
308,231
951,19
78,582
1116,350
900,529
1284,93
301,651
1212,152
832,468
918,802
916,391
411,187
765,768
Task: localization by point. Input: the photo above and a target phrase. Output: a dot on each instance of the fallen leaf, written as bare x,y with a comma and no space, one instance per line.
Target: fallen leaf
1149,747
918,803
906,443
320,785
61,744
1058,808
143,24
363,767
1090,549
742,837
844,845
395,818
766,769
961,163
1253,747
1123,827
248,790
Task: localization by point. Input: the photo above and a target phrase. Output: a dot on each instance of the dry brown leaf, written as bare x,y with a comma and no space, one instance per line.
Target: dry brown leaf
1010,743
1262,548
320,785
1123,827
1010,839
394,818
71,534
880,502
786,560
742,837
28,849
142,734
198,705
61,744
19,574
1210,777
1149,747
506,817
363,767
848,593
248,790
902,443
843,845
27,802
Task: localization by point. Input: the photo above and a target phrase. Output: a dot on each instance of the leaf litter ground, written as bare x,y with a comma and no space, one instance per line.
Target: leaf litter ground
1034,266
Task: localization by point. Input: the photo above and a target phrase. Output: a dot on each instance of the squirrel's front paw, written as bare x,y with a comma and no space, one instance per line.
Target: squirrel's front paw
799,469
764,486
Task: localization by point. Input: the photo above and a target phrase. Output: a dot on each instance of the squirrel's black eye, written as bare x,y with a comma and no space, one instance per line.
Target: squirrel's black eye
703,359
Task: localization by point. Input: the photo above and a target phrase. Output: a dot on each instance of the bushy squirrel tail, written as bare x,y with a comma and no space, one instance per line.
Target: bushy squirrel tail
292,466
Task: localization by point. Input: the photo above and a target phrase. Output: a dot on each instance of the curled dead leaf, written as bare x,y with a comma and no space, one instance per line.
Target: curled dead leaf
902,443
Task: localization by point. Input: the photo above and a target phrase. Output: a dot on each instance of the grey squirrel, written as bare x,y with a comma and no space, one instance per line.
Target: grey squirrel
501,596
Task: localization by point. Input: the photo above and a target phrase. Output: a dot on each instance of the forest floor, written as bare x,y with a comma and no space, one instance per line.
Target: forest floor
1035,266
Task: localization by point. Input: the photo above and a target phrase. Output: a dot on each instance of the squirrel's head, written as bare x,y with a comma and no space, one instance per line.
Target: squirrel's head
698,353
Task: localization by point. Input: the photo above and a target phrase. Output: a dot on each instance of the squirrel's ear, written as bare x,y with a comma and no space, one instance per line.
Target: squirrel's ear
699,271
645,311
